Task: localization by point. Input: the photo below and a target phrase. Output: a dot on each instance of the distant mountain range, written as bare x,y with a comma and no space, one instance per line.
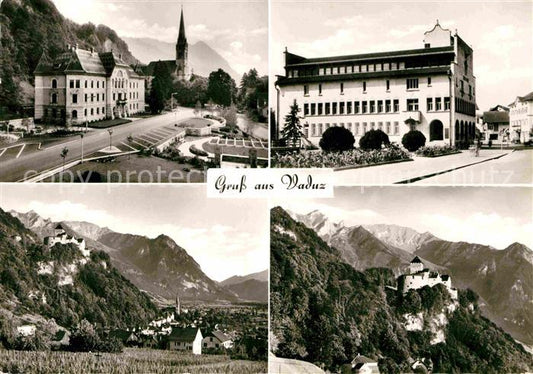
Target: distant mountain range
502,278
202,58
157,266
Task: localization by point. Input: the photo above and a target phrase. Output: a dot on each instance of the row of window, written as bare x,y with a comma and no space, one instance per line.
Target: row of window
349,107
349,69
116,83
357,128
372,106
410,84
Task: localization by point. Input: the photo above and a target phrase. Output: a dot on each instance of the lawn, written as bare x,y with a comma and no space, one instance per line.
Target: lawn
195,123
108,123
134,169
238,150
132,360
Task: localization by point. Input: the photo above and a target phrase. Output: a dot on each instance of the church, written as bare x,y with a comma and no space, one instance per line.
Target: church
180,66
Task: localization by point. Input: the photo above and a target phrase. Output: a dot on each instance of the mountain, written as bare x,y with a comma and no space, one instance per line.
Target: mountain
31,27
326,312
261,276
158,266
202,58
361,248
252,287
503,278
400,237
40,283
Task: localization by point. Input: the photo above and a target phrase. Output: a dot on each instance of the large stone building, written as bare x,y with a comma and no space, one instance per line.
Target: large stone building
180,66
82,86
431,89
521,118
419,277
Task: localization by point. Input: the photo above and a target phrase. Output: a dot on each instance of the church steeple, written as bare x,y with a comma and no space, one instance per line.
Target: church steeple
182,47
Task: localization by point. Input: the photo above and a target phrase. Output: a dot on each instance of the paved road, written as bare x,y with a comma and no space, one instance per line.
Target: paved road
515,168
259,130
15,169
277,365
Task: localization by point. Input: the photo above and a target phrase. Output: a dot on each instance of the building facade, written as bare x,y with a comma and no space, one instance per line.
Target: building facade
496,124
81,86
521,118
186,339
431,89
419,277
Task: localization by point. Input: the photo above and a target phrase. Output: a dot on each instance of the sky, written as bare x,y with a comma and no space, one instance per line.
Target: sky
225,236
485,215
500,33
237,30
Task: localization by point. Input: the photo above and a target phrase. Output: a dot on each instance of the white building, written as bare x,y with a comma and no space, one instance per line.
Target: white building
419,277
364,365
61,237
186,339
217,339
431,89
82,86
521,118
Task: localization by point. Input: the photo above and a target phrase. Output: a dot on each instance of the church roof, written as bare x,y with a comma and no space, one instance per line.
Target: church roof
181,35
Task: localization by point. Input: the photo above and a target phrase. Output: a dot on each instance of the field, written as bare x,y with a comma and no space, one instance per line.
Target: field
132,360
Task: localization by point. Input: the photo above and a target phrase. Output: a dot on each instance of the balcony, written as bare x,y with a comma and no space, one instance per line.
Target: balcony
411,117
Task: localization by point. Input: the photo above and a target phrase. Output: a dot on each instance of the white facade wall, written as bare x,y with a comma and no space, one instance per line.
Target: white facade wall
392,123
521,120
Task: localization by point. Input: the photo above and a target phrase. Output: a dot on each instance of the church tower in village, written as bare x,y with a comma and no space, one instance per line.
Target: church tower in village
182,66
178,305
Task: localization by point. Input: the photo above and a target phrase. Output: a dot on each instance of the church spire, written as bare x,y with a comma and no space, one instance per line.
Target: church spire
181,35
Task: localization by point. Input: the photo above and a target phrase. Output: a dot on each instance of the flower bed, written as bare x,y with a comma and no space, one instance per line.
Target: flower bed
354,157
436,151
198,152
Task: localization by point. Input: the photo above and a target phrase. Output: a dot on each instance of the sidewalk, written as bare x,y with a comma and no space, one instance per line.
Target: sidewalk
409,171
184,147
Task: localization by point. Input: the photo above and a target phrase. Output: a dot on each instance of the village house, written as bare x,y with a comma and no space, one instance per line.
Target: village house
521,118
364,365
217,339
496,124
419,277
186,339
128,338
26,330
61,237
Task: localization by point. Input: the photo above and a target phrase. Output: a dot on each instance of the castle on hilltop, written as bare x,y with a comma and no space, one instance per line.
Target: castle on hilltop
61,237
180,66
419,277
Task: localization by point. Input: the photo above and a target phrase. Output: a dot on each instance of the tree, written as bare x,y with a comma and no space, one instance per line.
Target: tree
292,131
337,139
413,140
198,109
221,88
85,338
230,115
373,139
161,88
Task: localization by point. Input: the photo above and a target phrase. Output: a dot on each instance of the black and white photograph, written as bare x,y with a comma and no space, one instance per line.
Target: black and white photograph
399,92
402,280
109,280
131,91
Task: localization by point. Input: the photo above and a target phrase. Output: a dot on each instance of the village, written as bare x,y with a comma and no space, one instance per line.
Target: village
236,330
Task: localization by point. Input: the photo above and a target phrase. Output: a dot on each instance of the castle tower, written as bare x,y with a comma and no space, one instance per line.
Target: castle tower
182,47
416,265
59,230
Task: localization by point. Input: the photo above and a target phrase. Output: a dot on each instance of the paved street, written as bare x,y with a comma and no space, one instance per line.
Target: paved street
14,169
516,167
518,162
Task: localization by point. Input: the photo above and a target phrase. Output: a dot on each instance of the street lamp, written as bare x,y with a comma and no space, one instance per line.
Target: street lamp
172,106
81,135
110,133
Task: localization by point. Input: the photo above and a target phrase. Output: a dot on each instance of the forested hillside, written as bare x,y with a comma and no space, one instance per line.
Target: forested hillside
326,312
31,27
60,283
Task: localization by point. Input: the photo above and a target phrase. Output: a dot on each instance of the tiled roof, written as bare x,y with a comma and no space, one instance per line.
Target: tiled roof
372,56
496,117
220,336
360,359
528,97
183,334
